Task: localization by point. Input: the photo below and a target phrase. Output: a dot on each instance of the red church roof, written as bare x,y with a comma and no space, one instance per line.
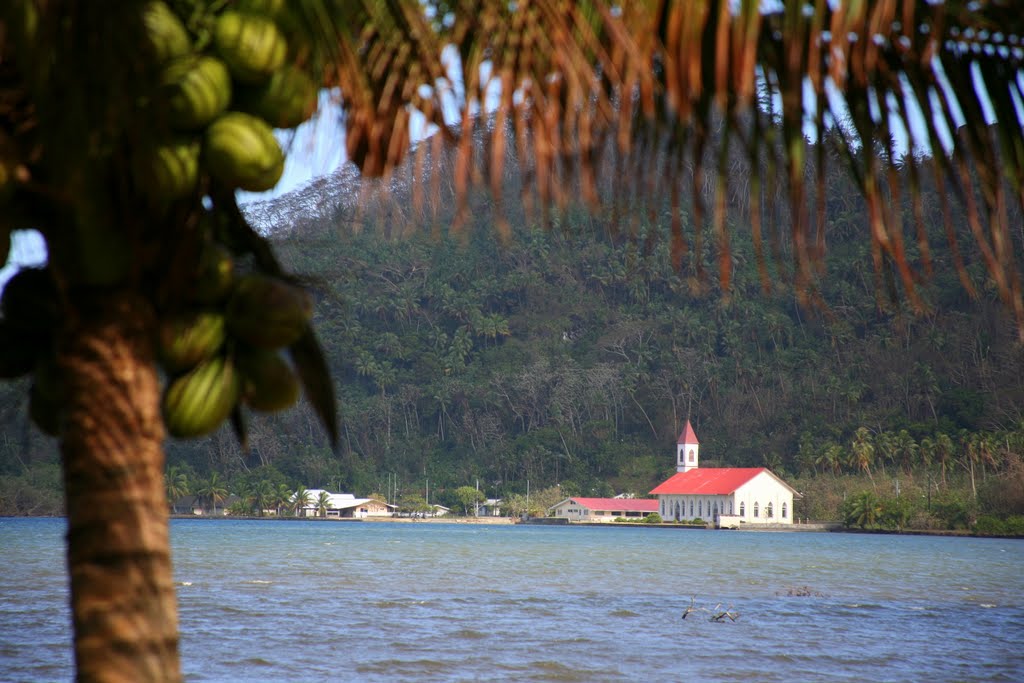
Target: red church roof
688,435
620,504
709,481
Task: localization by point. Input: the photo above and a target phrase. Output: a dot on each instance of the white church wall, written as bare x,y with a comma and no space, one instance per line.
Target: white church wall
760,495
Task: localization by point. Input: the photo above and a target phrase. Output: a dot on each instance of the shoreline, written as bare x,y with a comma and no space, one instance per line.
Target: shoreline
818,527
371,520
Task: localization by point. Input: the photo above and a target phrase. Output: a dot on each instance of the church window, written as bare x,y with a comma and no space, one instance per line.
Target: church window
691,508
730,507
700,508
755,509
743,509
768,512
679,515
783,510
692,455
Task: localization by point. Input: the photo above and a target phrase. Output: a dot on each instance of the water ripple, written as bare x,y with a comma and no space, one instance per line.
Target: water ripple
453,603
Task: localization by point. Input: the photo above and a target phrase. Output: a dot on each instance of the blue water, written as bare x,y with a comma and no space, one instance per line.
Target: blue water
270,601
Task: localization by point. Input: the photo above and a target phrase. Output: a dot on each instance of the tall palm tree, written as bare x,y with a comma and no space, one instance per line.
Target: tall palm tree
300,500
862,451
246,492
905,448
605,100
176,484
282,498
213,491
263,496
831,456
323,501
944,450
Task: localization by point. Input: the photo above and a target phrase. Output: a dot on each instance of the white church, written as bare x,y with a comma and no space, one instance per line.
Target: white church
728,497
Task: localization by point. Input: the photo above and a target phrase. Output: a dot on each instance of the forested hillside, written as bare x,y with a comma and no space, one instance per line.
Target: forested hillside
569,350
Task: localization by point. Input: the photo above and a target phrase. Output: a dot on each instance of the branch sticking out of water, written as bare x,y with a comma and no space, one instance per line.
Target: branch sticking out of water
716,614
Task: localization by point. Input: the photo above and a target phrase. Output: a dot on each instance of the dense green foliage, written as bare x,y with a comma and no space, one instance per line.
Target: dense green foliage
573,356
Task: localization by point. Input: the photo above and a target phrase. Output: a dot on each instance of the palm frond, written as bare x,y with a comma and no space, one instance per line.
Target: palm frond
670,89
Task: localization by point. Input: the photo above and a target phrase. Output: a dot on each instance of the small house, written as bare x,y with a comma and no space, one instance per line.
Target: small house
603,509
489,508
343,506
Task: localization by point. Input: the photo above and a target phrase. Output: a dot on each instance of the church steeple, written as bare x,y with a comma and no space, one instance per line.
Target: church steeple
687,457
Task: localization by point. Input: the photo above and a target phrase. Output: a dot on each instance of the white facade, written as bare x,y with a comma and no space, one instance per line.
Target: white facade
764,499
602,509
489,508
340,505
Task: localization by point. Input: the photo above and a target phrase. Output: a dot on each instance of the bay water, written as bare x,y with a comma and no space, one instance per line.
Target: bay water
384,601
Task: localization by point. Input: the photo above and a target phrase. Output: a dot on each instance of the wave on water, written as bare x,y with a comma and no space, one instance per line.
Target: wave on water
259,582
254,661
469,634
391,604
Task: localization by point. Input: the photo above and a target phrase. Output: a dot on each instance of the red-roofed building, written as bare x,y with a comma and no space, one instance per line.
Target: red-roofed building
603,509
725,496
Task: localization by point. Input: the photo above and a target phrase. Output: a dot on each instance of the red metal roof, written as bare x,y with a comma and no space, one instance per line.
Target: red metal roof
709,481
688,436
620,504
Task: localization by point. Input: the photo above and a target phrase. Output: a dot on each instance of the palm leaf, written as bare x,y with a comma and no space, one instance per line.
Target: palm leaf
646,82
315,376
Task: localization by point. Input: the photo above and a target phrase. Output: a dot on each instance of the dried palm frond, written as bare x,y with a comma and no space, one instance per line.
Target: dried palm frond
663,91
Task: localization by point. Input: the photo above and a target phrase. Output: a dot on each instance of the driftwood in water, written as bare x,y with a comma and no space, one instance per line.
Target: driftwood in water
716,614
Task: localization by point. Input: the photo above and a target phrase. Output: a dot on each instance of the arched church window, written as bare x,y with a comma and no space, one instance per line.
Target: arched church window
755,508
692,456
700,508
743,509
730,507
679,515
783,510
691,508
768,512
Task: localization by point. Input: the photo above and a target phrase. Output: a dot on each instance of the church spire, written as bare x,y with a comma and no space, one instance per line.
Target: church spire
686,450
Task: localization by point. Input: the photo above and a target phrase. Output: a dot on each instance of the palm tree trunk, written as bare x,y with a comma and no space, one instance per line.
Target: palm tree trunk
122,591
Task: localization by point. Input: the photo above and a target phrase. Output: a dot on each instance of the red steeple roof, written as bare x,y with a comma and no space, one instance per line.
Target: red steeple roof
688,436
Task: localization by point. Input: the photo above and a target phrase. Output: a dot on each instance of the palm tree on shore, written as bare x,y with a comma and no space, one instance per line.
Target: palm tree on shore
213,491
863,510
176,484
323,502
300,500
263,496
282,498
656,88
